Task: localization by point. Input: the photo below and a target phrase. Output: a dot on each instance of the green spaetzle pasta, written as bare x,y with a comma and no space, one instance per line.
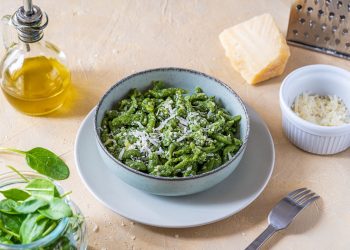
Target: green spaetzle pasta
165,132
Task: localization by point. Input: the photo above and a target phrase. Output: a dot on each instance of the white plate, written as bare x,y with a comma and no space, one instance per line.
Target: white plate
236,192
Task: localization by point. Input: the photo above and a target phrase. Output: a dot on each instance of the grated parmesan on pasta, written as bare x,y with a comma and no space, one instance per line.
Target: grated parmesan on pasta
327,110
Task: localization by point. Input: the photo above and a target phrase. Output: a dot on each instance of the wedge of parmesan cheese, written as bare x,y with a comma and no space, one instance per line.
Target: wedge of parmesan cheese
256,48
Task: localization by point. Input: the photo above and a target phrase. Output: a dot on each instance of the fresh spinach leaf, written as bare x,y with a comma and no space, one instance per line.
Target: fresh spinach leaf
11,222
47,163
9,233
56,210
31,229
63,243
15,194
4,240
50,228
42,188
31,213
8,206
30,205
44,162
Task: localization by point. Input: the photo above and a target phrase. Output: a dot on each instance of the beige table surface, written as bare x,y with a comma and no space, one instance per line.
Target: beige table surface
106,40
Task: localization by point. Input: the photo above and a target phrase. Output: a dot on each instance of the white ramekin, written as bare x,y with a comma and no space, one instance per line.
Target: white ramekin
323,80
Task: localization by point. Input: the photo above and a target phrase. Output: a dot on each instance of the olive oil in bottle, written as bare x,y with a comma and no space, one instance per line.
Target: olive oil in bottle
33,75
38,87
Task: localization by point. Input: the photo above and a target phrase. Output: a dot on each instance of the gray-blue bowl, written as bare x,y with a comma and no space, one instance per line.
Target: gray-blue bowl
181,78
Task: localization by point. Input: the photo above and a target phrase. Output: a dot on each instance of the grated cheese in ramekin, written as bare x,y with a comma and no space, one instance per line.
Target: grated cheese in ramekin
327,110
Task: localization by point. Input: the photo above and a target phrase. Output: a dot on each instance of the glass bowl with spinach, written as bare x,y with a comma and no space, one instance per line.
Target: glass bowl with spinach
35,213
169,133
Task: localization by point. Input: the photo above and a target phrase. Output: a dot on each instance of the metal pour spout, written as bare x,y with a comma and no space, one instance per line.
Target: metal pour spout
28,7
30,22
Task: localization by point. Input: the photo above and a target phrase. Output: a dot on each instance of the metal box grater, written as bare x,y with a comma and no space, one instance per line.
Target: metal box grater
321,25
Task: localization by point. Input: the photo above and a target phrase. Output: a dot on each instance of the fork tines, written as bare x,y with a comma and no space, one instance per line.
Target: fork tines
302,197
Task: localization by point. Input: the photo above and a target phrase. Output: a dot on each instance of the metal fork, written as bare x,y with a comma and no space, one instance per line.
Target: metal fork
284,213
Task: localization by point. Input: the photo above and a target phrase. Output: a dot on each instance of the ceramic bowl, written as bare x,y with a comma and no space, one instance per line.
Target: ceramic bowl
322,80
181,78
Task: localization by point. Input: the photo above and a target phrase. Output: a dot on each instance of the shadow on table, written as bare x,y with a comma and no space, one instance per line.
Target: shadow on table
92,248
84,94
239,223
345,155
305,221
236,224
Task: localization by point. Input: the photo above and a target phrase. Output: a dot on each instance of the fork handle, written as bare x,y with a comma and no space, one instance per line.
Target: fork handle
262,238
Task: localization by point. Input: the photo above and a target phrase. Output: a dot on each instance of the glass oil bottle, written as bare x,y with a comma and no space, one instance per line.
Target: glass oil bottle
33,73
